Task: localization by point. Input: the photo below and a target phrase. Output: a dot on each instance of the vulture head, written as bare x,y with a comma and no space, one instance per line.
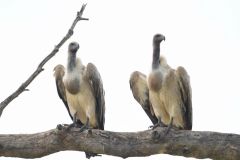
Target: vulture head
73,47
158,38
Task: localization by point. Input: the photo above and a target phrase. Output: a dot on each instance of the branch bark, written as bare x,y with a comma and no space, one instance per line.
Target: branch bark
39,69
123,144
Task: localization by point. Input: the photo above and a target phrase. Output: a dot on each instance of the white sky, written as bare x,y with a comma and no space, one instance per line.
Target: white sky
203,36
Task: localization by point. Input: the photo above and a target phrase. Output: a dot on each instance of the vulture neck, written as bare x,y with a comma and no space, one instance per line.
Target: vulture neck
156,56
71,64
73,74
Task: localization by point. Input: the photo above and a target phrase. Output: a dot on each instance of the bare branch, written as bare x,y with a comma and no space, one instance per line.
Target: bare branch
123,144
39,69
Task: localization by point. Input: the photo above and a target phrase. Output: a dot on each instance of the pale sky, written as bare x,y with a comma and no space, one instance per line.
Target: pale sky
202,35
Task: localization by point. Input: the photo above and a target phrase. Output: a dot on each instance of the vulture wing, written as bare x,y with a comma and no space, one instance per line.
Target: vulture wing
97,86
59,72
186,96
138,85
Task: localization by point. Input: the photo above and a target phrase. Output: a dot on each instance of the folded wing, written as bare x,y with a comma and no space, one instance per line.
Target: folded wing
59,72
138,85
186,96
98,91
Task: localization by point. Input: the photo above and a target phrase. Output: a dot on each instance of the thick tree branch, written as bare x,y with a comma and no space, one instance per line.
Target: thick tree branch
39,69
123,144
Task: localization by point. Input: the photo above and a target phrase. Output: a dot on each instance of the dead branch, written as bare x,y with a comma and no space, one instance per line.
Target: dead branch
39,69
196,144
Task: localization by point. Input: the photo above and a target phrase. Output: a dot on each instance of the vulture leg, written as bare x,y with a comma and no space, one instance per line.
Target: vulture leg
76,123
169,127
85,126
158,124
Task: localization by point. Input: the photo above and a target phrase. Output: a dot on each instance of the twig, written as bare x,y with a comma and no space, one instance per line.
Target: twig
39,69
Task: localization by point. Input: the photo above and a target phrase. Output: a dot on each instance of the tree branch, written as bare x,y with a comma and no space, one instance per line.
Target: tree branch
39,69
123,144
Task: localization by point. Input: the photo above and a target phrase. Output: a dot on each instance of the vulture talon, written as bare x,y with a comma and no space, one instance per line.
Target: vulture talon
85,126
169,127
158,124
89,155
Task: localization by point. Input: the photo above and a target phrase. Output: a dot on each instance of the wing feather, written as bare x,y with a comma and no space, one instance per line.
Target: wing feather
97,86
138,85
59,72
186,96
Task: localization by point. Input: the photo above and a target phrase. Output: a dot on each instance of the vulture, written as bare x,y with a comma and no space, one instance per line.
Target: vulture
81,90
165,93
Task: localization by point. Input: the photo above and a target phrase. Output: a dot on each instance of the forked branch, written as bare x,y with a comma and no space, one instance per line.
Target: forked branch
39,69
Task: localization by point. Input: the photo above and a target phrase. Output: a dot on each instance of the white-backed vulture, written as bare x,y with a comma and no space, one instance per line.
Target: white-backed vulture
81,91
165,94
169,91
